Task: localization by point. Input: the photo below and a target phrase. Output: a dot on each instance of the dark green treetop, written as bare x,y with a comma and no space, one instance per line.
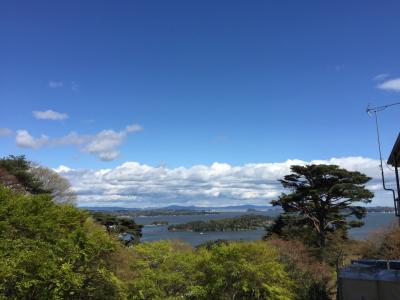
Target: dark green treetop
126,227
322,198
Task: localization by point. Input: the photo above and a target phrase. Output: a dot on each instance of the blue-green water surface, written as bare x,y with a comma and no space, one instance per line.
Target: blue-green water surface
373,222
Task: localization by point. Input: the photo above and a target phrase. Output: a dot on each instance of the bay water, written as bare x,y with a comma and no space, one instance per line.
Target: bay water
373,222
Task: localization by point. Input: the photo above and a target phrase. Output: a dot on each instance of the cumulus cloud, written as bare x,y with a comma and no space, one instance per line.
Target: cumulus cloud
137,185
5,131
55,84
103,144
390,85
25,140
49,115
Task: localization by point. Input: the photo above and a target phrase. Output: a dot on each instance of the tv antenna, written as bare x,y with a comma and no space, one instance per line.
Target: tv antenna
374,111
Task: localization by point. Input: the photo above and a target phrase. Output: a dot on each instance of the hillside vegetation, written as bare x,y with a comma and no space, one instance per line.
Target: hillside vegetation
50,249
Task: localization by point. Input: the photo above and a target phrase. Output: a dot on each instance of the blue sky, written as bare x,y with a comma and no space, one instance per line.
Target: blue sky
234,82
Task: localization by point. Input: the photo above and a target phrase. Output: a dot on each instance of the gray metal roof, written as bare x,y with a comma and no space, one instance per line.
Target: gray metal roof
395,154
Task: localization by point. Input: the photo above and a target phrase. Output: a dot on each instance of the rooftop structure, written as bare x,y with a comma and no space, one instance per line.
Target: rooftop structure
370,280
394,158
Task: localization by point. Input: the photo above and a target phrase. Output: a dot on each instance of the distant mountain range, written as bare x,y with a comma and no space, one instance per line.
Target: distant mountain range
179,207
232,208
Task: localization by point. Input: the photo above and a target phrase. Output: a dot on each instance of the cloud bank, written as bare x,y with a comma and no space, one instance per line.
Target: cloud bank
137,185
104,144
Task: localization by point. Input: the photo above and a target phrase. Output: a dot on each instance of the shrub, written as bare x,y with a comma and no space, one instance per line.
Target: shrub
382,244
50,251
313,278
171,270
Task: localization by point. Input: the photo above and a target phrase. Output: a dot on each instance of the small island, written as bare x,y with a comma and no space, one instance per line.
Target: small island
159,223
245,222
380,209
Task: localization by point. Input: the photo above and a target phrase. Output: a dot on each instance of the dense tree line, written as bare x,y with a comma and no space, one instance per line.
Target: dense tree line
53,251
244,222
49,249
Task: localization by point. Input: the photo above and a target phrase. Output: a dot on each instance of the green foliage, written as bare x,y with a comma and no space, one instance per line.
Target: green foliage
291,227
167,270
49,251
213,243
244,222
52,251
244,271
320,202
129,231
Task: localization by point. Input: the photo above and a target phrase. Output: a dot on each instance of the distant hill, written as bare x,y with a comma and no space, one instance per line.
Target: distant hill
108,208
232,208
244,207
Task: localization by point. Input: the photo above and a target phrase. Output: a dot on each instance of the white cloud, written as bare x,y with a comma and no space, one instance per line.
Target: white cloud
103,144
55,84
390,85
49,115
25,140
136,185
381,77
62,169
5,131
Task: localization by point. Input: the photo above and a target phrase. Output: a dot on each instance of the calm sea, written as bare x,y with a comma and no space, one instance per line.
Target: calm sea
153,233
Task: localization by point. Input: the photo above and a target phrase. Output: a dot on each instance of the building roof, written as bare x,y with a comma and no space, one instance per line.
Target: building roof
395,154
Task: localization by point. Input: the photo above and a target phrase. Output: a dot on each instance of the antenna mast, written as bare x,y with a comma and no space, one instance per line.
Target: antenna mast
375,111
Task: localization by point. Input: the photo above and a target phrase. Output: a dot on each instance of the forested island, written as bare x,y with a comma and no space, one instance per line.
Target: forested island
380,209
244,222
159,223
